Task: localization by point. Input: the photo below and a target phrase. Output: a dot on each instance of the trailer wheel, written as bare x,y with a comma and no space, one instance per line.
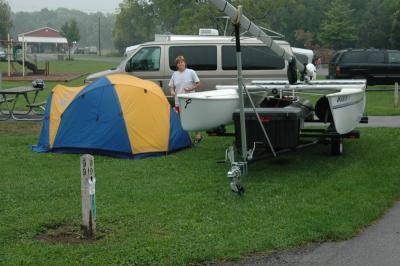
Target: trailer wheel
336,146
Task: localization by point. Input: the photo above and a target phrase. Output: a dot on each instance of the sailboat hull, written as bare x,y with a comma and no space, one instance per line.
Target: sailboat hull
347,108
208,109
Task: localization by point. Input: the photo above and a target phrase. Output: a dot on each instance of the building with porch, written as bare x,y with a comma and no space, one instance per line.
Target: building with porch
44,40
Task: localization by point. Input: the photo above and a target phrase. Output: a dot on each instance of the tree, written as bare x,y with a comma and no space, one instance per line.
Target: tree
134,24
194,16
305,38
375,29
70,31
395,32
5,19
337,28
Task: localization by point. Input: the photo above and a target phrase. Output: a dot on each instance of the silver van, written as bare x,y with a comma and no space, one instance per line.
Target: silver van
212,57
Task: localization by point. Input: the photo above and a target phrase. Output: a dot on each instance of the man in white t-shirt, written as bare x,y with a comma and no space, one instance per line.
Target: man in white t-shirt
184,80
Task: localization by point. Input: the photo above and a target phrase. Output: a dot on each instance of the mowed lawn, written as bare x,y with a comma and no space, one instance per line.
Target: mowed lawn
380,103
178,209
80,66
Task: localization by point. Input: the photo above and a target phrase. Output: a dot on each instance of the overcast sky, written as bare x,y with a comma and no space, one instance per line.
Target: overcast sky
106,6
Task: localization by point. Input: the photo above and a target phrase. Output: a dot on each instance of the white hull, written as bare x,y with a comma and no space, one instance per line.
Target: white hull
346,97
347,109
208,109
257,96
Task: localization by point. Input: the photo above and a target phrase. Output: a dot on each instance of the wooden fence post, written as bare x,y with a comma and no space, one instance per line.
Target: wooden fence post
88,186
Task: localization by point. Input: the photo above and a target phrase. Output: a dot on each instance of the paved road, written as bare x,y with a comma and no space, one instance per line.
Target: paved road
378,121
378,245
323,72
382,121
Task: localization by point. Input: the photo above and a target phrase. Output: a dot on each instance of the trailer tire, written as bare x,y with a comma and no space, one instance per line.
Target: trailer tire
336,146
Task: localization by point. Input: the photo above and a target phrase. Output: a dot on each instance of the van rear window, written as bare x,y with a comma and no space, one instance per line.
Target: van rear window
354,57
197,57
253,58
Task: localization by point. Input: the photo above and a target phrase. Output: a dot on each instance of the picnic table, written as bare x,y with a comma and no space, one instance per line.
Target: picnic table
9,98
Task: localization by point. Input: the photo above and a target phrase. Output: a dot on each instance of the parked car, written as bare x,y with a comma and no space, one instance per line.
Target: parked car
90,50
375,65
213,58
3,56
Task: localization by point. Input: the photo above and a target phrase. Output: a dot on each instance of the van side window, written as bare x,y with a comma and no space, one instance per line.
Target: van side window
354,57
394,58
146,59
197,57
253,58
376,58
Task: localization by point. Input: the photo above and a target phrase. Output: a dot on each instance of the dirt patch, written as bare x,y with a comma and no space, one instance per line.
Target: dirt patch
19,128
69,235
63,77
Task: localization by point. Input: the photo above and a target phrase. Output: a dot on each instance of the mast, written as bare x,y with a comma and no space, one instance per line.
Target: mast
256,31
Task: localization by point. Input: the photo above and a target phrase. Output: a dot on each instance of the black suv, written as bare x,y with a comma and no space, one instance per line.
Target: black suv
376,66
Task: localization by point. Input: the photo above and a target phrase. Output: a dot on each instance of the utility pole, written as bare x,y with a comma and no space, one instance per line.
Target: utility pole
99,39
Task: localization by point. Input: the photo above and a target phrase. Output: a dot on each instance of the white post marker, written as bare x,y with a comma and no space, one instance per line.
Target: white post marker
88,192
23,55
396,94
9,55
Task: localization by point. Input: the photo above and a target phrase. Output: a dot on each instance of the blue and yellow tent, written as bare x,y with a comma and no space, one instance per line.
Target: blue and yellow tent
116,115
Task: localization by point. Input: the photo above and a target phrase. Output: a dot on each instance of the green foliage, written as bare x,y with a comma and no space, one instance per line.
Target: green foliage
134,24
373,31
305,23
337,30
70,31
5,19
395,32
194,17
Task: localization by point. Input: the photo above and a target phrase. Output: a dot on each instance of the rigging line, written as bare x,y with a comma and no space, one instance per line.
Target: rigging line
259,120
226,3
248,29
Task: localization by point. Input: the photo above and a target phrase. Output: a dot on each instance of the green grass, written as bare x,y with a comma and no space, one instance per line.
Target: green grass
178,209
378,103
381,103
75,66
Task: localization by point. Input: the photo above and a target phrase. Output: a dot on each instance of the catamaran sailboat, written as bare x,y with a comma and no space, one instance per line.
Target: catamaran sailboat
345,99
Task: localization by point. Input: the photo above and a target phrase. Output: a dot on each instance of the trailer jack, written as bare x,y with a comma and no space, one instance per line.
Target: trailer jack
234,174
